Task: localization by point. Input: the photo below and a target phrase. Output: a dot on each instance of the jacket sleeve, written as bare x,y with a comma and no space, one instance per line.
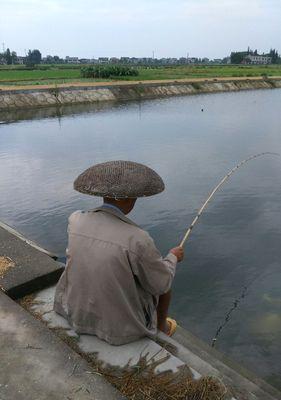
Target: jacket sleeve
155,273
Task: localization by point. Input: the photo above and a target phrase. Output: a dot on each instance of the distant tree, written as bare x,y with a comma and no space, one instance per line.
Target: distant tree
8,57
274,56
237,57
14,57
2,59
49,60
33,57
28,60
225,60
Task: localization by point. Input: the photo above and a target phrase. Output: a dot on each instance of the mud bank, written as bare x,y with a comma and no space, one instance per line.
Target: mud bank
31,97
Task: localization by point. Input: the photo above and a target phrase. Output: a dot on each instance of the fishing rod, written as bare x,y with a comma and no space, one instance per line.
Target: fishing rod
224,179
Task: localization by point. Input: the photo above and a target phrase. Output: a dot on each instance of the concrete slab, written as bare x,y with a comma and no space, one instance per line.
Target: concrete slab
16,233
37,365
33,269
115,357
110,356
208,361
182,350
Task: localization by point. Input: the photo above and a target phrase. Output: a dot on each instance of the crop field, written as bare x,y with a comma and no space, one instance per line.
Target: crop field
13,75
208,71
47,74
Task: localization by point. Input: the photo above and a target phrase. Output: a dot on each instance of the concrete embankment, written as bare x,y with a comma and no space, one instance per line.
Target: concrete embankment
12,98
49,360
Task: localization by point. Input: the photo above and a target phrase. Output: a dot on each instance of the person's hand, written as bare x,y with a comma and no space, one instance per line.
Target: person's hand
178,252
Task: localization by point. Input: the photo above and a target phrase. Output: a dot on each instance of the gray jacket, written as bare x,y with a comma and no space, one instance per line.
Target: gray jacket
113,277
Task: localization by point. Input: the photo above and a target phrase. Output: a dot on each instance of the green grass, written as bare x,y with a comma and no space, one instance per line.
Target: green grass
46,74
19,75
208,71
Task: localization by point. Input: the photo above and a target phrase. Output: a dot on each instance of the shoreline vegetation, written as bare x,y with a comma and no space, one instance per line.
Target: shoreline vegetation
16,75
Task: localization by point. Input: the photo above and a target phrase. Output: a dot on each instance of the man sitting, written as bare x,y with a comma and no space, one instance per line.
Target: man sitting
116,285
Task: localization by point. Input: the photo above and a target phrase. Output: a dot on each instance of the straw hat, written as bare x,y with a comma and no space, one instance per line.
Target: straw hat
119,179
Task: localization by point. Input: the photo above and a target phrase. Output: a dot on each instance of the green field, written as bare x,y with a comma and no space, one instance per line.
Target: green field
61,73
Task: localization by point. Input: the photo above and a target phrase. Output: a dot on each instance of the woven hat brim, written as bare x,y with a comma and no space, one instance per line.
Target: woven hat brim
119,179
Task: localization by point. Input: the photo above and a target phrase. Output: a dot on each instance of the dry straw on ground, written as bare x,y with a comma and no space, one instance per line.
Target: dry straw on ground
141,381
5,264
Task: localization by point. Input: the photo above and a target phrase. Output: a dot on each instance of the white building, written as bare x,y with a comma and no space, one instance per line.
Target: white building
72,60
192,60
103,60
21,60
256,59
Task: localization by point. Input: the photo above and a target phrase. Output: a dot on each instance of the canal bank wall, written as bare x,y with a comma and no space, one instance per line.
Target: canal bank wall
12,98
42,357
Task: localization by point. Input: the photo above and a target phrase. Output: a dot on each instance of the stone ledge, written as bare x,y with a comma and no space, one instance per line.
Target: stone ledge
183,350
206,360
42,96
33,269
35,364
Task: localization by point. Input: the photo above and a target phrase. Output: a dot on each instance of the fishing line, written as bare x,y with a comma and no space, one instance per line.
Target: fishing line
189,230
228,314
235,304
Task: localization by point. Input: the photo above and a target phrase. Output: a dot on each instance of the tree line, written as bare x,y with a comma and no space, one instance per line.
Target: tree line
239,57
33,57
10,57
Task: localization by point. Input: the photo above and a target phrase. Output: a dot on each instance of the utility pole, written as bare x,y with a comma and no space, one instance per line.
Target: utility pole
3,46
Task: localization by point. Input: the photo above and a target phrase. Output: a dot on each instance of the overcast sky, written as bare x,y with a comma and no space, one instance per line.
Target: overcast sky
170,28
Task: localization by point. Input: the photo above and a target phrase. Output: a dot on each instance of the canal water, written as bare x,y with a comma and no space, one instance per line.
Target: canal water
233,258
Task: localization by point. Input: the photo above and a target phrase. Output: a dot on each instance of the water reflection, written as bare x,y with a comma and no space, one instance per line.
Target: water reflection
53,111
237,241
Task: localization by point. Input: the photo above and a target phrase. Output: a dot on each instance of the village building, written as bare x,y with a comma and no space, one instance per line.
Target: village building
2,60
21,60
114,60
103,60
85,61
258,59
72,60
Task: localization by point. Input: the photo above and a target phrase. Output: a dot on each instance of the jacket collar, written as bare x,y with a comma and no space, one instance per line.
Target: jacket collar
116,213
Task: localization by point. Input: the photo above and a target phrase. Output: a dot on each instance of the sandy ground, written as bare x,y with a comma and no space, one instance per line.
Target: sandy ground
122,83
